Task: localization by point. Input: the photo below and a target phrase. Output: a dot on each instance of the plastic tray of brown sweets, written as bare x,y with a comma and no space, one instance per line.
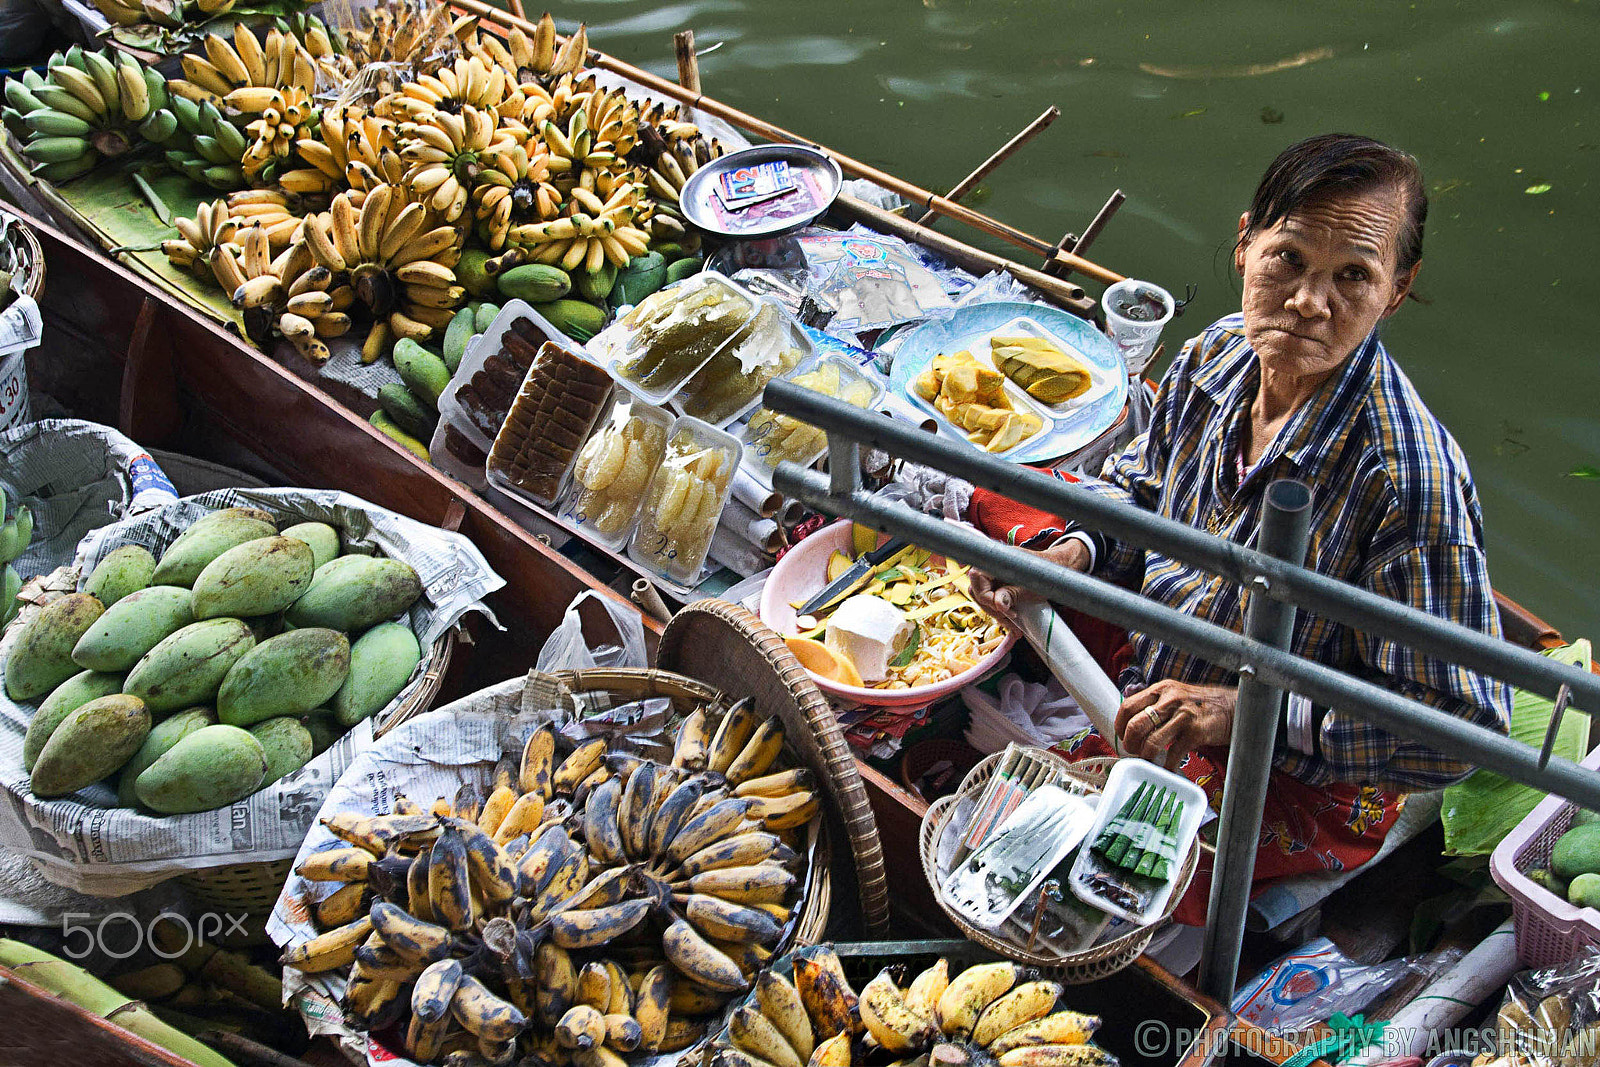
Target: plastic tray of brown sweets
481,391
548,421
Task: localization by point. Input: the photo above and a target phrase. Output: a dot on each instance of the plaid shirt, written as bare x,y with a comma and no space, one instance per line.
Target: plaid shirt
1394,512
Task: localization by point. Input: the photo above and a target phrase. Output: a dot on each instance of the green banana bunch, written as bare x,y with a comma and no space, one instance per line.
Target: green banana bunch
14,538
89,105
204,146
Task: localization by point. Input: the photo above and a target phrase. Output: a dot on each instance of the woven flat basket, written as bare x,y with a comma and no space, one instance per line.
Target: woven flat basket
1073,968
22,255
250,889
730,647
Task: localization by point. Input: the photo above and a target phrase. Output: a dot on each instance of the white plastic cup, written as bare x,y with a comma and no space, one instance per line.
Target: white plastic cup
1136,339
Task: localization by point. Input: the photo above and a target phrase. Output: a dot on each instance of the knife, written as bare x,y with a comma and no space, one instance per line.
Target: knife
853,577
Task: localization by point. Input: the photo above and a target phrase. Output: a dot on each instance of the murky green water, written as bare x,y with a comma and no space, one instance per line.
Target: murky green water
1181,105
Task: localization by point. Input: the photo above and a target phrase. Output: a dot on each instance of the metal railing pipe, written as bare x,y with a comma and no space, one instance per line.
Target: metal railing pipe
1317,593
1285,526
1399,715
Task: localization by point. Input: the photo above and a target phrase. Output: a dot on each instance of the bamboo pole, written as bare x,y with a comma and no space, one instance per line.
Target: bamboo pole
1058,291
1004,152
688,65
908,191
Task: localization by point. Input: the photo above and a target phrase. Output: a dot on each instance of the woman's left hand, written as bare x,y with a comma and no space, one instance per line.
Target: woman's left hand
1170,719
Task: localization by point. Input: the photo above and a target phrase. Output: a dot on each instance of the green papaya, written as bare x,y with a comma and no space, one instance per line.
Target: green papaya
204,541
287,745
214,766
407,411
163,735
537,283
355,592
286,675
323,539
123,570
92,742
63,700
1577,852
424,373
255,578
595,285
41,657
577,319
381,662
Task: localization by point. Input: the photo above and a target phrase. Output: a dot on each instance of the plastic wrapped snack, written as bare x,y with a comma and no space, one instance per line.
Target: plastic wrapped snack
672,333
552,414
771,438
685,501
489,379
1550,1018
732,379
613,469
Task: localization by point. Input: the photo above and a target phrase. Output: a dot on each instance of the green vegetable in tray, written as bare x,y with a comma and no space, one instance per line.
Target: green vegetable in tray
1118,851
1119,822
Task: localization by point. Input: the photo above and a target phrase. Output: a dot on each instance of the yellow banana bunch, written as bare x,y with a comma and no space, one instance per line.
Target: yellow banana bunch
280,61
398,254
595,226
400,34
470,82
445,153
514,188
287,295
544,58
611,118
121,12
354,148
271,209
284,116
212,227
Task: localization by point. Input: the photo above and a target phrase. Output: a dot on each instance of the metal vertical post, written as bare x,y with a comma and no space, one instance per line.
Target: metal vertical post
1285,525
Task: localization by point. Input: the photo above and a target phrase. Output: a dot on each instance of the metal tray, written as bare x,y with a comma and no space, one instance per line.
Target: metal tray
817,180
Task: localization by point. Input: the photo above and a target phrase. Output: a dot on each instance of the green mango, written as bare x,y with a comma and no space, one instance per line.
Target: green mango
287,675
679,269
205,540
212,767
483,318
472,277
595,286
323,728
123,570
63,700
642,276
424,373
381,662
1577,852
41,658
287,745
163,735
456,336
407,411
90,744
537,283
323,539
577,319
355,592
255,578
1585,891
133,626
188,668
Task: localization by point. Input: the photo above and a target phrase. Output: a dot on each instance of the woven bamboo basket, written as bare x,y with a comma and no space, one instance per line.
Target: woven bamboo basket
724,643
1073,968
250,889
21,255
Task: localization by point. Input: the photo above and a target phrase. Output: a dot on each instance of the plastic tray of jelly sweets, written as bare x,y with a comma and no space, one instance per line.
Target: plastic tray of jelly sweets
668,541
1010,865
554,412
1124,781
490,376
730,383
613,469
657,371
770,438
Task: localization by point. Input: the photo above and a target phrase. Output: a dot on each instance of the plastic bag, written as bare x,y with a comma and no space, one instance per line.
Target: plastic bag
566,649
1312,983
1550,1018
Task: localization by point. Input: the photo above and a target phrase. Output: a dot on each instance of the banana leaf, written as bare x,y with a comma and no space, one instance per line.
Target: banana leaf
1481,810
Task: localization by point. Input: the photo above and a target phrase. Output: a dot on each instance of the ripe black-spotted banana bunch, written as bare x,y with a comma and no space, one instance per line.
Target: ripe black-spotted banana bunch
211,229
446,154
399,255
282,118
87,106
469,82
542,58
290,295
355,148
597,224
280,62
514,188
670,151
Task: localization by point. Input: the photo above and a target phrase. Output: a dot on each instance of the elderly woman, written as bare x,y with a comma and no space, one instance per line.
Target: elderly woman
1298,385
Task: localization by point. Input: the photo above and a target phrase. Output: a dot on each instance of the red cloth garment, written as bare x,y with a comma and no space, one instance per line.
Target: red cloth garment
1305,829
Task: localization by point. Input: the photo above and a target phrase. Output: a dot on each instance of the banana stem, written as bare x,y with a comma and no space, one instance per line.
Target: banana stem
223,968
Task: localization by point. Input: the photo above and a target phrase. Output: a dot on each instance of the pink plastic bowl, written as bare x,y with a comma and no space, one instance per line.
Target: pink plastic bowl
802,572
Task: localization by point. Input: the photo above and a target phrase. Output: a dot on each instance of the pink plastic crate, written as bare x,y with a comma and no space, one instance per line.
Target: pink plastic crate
1549,929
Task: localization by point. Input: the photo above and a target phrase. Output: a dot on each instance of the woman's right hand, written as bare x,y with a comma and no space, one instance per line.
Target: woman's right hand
1001,600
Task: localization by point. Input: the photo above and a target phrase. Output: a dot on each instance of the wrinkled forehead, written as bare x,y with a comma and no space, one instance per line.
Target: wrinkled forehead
1364,224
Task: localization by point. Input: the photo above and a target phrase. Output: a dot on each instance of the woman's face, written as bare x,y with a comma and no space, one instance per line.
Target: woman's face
1318,280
